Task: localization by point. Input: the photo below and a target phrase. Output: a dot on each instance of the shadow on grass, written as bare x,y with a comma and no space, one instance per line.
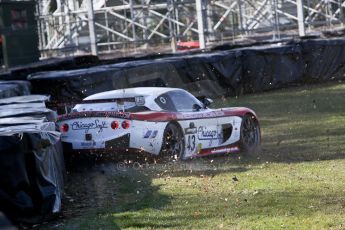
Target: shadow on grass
122,194
96,192
135,194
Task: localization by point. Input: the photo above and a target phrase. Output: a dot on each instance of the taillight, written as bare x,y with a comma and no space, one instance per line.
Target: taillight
114,125
64,128
125,124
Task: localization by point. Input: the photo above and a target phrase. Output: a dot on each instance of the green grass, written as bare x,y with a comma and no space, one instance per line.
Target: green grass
297,182
306,123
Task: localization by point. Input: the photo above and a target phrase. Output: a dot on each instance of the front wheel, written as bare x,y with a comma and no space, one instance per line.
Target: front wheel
173,142
250,134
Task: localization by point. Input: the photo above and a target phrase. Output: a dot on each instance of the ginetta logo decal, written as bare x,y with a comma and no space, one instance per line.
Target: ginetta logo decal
96,124
201,115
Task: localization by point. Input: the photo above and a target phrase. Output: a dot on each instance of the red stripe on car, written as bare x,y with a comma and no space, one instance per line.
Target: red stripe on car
154,116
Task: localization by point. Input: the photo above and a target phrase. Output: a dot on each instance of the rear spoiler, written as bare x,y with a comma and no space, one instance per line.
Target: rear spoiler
73,103
67,106
129,99
124,115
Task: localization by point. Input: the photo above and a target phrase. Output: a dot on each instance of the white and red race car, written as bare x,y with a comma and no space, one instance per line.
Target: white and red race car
159,121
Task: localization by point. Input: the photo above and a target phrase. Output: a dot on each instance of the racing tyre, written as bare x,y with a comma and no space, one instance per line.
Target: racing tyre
250,135
173,143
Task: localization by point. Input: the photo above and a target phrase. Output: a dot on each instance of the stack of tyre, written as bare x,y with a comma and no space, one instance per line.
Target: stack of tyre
31,158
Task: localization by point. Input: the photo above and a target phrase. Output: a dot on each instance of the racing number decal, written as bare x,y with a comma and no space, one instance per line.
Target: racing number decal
191,142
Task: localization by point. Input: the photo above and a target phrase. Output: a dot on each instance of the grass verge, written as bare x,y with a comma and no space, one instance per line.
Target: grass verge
296,183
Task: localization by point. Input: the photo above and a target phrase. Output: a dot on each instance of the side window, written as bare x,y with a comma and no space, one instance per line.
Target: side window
164,101
183,101
177,101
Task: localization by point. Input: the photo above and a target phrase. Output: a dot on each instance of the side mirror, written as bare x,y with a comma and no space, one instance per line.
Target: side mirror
196,107
207,101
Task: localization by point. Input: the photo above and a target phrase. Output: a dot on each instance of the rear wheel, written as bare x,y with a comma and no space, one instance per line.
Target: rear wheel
173,143
250,134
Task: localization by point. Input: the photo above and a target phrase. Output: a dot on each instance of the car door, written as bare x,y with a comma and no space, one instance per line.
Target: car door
201,131
199,124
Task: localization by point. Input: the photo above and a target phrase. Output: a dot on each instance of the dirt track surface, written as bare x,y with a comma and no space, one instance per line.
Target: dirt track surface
86,188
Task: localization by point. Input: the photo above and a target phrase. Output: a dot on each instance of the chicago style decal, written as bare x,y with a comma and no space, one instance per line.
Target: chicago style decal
207,134
96,124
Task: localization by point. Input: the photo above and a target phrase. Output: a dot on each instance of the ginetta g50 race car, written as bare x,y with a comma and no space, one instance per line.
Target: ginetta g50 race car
160,121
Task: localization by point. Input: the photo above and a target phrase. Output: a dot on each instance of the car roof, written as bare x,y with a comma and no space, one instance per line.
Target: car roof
131,92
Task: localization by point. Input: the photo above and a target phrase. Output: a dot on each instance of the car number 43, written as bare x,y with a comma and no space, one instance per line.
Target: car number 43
191,142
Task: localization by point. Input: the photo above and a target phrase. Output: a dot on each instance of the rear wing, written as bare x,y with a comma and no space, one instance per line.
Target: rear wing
66,107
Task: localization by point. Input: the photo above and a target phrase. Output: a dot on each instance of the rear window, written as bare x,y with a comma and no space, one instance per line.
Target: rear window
123,104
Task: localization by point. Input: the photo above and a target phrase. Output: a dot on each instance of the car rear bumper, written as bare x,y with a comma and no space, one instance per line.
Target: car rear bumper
114,145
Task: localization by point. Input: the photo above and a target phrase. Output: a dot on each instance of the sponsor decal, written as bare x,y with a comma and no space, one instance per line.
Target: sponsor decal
199,147
218,150
96,124
226,150
88,144
150,134
207,134
154,134
190,130
201,115
140,100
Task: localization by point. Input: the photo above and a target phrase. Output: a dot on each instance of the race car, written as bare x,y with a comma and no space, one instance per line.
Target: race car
167,122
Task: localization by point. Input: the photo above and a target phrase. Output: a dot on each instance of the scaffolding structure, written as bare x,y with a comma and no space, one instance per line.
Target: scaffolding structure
69,27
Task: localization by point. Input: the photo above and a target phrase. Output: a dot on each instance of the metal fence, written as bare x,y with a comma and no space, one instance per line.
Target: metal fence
69,27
